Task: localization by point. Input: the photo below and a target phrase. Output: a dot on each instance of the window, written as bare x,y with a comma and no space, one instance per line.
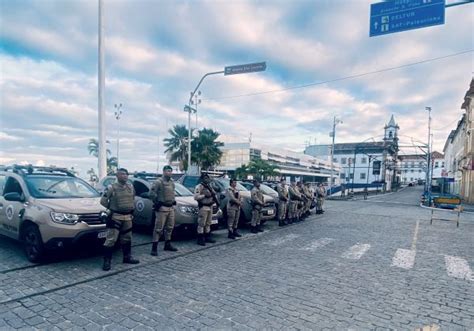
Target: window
12,186
412,170
140,188
2,183
362,175
412,164
436,164
351,176
390,134
419,170
343,176
364,160
334,160
442,164
343,160
59,187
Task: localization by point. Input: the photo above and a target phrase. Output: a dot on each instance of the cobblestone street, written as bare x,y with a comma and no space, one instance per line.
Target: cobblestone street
362,265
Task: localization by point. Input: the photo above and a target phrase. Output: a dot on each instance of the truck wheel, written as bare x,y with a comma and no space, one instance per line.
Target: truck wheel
34,248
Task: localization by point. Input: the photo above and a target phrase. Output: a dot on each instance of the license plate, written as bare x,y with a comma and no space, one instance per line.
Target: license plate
214,221
102,234
270,212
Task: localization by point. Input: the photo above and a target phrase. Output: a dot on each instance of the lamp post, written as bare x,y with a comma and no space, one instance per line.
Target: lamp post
118,114
428,173
333,134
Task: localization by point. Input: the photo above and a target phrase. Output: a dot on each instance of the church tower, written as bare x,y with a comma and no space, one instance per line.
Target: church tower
391,131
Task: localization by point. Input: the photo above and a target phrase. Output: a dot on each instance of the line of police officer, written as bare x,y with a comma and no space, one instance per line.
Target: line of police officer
294,205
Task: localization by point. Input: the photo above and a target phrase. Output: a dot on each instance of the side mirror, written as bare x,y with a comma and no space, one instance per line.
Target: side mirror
222,196
145,195
13,196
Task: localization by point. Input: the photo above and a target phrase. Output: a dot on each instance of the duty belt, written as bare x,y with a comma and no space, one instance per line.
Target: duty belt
122,213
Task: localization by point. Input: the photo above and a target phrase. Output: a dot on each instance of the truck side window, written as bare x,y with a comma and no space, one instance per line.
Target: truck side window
12,185
139,188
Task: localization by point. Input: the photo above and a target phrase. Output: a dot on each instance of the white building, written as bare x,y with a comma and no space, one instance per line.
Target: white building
412,168
367,163
291,165
453,153
438,165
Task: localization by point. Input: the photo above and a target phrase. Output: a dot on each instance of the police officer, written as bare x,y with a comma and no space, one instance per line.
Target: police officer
163,196
295,198
302,202
282,202
233,209
309,198
257,199
321,197
206,198
118,199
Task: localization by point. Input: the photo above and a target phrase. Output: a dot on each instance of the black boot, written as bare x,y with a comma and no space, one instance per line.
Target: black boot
231,235
127,254
154,249
200,239
281,223
107,258
236,234
208,239
254,229
259,228
169,247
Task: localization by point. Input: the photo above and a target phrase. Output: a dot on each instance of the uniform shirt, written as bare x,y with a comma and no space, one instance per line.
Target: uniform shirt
162,192
257,196
233,201
119,197
200,195
294,193
282,192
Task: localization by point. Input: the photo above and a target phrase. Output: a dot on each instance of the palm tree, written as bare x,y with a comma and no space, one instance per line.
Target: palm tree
176,145
260,169
242,172
205,149
93,148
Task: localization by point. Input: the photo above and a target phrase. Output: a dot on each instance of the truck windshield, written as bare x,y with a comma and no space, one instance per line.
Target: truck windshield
181,191
59,187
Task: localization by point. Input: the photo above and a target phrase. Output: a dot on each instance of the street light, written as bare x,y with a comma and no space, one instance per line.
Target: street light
428,174
118,113
333,134
196,102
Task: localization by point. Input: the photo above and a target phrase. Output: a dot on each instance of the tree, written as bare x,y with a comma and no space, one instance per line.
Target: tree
206,152
258,168
176,146
242,172
93,148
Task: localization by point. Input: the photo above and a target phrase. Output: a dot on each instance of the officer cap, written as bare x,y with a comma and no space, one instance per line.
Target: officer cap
204,175
255,181
167,168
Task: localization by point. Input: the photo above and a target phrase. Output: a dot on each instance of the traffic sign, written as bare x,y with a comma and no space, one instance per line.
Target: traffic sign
245,68
401,15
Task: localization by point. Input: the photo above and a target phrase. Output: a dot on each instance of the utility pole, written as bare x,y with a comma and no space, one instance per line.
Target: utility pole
333,134
118,114
428,172
101,83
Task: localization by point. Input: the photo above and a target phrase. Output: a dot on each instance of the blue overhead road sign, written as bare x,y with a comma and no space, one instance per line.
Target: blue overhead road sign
245,68
401,15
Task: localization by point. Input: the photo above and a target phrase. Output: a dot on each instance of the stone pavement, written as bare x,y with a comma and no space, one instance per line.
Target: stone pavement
375,264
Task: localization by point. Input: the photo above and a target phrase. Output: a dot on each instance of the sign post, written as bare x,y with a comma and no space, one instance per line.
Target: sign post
401,15
245,68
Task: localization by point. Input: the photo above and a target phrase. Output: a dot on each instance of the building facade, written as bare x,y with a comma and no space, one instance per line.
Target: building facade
467,161
412,168
365,162
453,153
291,165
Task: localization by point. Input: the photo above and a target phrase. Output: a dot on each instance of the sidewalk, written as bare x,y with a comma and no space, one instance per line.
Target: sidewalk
468,207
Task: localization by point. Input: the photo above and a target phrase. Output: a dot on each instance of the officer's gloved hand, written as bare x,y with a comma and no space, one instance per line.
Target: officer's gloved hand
174,203
207,194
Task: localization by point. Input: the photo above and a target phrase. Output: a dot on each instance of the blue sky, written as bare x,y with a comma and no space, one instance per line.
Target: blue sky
156,52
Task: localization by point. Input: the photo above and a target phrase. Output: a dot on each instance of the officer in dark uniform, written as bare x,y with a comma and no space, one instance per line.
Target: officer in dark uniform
118,199
163,196
206,198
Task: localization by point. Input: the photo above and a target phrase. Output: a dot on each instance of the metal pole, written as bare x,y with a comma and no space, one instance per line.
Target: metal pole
118,113
189,140
332,154
428,179
101,84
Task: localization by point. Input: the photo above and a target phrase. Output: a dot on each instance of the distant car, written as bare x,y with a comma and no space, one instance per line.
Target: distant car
48,208
220,185
264,188
410,184
186,209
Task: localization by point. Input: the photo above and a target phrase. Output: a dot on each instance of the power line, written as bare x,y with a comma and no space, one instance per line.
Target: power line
343,78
